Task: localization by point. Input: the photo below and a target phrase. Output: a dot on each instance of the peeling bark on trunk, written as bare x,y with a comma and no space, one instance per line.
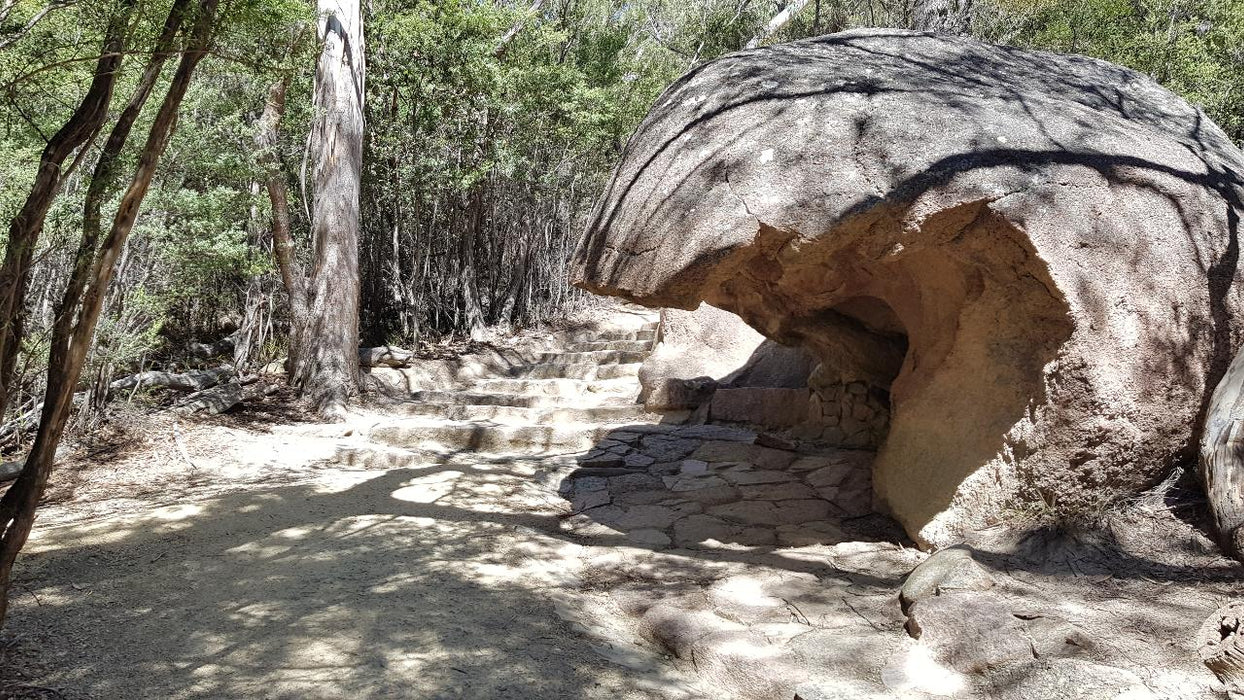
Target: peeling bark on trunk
79,311
326,362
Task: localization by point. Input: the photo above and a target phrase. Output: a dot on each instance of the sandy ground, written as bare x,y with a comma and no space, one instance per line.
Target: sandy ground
240,556
263,571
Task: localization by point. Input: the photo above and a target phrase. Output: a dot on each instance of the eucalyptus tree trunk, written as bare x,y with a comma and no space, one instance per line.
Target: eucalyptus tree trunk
326,362
777,22
74,327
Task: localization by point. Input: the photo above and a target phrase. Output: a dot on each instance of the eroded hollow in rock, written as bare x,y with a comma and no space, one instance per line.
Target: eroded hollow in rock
935,340
849,404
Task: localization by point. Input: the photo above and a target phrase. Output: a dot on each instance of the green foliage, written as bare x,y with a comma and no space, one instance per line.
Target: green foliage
129,334
1193,47
480,165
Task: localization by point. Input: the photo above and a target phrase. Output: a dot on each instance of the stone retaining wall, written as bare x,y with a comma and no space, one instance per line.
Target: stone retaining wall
853,414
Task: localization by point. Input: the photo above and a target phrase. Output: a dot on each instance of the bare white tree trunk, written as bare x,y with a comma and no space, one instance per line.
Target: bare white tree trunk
779,20
328,371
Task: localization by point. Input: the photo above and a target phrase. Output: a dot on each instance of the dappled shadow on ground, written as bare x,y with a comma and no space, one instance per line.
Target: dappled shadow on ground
429,581
449,580
312,591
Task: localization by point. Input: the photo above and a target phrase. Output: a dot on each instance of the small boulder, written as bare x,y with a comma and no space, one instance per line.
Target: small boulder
951,569
974,631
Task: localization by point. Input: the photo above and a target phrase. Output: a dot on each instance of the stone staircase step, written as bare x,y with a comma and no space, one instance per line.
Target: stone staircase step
383,457
578,388
544,415
426,433
477,398
585,370
643,346
596,357
648,334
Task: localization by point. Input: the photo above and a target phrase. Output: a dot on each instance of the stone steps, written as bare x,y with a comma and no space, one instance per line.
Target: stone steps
473,398
647,334
587,390
430,433
587,371
562,400
644,346
534,415
597,357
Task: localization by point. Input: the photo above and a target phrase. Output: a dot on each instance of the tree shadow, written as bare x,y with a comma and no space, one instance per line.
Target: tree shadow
372,590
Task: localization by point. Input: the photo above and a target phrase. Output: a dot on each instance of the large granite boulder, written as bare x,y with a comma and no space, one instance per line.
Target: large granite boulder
1031,257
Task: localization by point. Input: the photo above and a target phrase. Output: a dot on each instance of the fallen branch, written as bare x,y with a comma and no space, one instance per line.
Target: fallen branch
385,356
24,421
220,347
181,446
11,469
1222,646
194,380
223,397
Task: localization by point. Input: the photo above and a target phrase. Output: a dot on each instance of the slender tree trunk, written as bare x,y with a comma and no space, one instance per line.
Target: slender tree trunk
266,138
74,328
472,305
25,228
327,370
504,44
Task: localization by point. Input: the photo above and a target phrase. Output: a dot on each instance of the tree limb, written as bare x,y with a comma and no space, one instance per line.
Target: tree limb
779,20
47,9
519,24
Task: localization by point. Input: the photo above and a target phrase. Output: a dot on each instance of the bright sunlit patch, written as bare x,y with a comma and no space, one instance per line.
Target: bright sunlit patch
744,647
916,669
745,590
177,512
428,489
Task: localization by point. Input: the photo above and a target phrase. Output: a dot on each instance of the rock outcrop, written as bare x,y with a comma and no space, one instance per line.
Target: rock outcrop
1222,458
709,359
1031,258
694,350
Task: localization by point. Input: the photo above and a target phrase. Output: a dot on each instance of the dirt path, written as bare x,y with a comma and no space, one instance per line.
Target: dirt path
526,532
